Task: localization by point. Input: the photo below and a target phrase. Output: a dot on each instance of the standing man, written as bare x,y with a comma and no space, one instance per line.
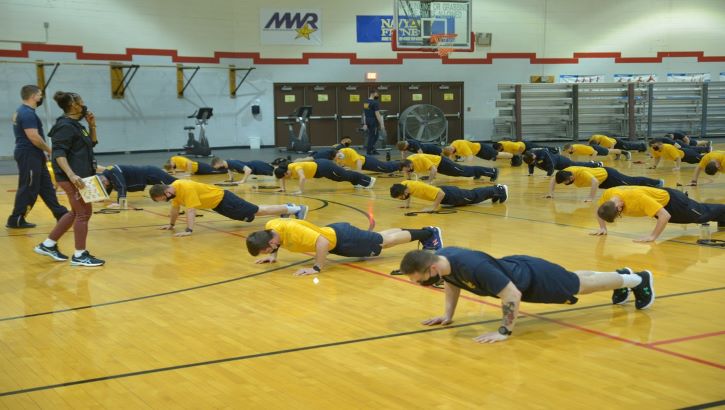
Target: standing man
31,154
372,121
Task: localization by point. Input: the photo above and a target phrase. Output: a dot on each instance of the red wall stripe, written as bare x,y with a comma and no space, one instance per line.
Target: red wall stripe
26,48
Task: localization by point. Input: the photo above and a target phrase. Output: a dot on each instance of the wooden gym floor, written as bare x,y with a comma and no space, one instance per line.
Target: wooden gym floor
192,322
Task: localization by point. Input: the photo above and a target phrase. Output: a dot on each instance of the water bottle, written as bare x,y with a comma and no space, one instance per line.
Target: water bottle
705,232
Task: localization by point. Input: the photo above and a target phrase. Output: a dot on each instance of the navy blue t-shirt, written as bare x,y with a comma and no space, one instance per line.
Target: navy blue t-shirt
483,274
371,106
257,167
25,118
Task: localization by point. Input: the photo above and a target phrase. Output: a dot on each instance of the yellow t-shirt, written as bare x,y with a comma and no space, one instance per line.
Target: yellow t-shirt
668,151
513,147
181,164
603,140
348,157
638,200
422,190
308,168
466,148
192,194
300,236
581,149
424,162
583,175
718,156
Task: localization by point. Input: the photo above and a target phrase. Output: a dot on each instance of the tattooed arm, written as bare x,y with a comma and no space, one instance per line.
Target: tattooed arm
510,300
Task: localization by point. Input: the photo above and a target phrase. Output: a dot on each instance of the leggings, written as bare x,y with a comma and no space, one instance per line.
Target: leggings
78,217
616,178
330,170
374,164
684,210
450,168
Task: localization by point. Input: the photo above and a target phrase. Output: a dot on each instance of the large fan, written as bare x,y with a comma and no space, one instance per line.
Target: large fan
423,122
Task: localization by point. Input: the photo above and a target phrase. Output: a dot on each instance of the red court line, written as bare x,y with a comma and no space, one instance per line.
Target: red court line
686,338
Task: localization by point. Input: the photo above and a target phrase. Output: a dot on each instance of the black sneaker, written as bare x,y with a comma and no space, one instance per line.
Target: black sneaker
494,177
86,259
644,293
621,296
51,251
19,223
503,194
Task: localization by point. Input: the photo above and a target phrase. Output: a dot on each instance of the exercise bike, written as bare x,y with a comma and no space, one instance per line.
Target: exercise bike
199,148
299,142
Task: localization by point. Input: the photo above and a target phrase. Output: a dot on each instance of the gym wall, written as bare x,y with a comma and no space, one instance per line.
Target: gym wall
530,37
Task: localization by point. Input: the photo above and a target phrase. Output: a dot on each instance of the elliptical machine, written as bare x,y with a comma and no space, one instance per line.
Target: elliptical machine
299,142
201,147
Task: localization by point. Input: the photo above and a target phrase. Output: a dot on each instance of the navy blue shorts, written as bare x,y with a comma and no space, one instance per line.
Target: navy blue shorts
601,151
487,152
550,283
234,207
355,242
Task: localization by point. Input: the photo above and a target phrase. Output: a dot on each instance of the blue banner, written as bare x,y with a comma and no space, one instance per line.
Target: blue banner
378,29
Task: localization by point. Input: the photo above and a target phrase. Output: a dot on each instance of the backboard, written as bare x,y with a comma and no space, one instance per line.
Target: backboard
427,25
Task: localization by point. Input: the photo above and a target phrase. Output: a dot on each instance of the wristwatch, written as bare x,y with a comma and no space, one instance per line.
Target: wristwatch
503,330
189,230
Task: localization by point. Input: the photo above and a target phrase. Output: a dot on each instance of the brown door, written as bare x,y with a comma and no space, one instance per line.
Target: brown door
449,98
287,99
323,121
350,108
390,105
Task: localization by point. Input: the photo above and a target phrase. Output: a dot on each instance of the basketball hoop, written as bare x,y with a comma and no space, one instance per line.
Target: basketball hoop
441,40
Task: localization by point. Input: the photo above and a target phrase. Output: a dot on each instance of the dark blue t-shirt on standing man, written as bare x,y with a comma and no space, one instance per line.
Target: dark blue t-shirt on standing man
26,118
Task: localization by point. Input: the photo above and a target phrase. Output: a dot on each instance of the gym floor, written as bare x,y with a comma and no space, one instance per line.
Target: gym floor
192,322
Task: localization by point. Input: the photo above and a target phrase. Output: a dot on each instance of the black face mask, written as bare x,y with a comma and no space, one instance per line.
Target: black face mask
84,111
406,196
169,198
656,148
39,102
346,144
432,280
377,97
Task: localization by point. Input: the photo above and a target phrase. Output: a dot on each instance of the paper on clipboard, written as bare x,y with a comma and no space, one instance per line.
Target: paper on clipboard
93,191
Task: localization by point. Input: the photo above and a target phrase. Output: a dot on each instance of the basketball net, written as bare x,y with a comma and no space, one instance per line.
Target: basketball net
441,40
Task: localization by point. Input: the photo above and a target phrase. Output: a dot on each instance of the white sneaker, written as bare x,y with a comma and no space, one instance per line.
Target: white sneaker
372,182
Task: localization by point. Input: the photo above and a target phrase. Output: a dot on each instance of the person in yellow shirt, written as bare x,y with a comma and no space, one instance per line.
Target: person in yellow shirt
467,150
349,158
665,204
416,147
434,164
672,153
712,163
193,195
603,177
446,195
339,238
319,168
177,163
612,141
593,150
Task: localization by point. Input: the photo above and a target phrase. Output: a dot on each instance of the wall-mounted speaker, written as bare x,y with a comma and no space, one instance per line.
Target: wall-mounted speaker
483,39
255,109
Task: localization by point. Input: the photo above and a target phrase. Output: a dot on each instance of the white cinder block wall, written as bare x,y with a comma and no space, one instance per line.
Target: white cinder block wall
151,117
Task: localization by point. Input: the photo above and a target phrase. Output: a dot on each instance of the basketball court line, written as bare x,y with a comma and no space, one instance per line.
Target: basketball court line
705,405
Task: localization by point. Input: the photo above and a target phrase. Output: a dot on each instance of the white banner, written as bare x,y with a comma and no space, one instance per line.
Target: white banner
688,77
635,78
293,27
581,78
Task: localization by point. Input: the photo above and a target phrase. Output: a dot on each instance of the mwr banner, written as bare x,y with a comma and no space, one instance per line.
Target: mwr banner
581,78
635,78
688,77
296,27
378,29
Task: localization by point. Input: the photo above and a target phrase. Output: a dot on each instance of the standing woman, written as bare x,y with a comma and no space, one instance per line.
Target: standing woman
72,160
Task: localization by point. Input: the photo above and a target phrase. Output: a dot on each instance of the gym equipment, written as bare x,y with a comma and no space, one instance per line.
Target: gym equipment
440,212
299,142
201,147
424,123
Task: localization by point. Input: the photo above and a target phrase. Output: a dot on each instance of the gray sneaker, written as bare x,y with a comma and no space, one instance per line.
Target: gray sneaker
51,251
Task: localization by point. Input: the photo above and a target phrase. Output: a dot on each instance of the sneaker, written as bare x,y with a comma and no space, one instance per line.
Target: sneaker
396,272
51,251
494,177
502,195
86,259
644,293
372,183
600,164
302,213
661,183
621,296
627,155
19,223
435,242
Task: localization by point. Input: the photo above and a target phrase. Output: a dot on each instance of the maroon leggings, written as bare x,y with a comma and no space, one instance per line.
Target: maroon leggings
78,217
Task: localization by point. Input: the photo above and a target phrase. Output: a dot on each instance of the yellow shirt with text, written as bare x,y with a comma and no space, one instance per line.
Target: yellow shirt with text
300,236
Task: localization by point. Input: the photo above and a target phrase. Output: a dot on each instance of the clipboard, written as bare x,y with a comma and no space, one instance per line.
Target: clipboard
93,191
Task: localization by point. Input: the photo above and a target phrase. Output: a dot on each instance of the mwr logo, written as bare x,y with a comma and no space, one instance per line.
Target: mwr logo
292,21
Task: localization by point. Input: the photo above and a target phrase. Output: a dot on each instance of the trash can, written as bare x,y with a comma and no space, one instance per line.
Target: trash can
255,142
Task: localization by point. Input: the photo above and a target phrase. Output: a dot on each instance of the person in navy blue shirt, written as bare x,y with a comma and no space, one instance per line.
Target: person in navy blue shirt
548,161
417,147
516,279
243,167
372,121
131,178
31,154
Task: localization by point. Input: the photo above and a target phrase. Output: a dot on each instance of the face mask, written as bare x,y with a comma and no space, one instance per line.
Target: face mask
432,280
656,148
39,102
406,196
346,144
84,111
170,197
377,97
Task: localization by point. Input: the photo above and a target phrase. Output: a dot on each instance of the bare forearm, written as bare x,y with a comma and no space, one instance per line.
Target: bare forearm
190,217
173,215
63,164
452,294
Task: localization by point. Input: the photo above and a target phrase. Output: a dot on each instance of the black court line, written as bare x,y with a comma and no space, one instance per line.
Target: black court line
705,405
155,295
246,357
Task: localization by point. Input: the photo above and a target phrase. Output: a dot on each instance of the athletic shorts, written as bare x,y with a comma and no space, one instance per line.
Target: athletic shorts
550,283
234,207
355,242
601,151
